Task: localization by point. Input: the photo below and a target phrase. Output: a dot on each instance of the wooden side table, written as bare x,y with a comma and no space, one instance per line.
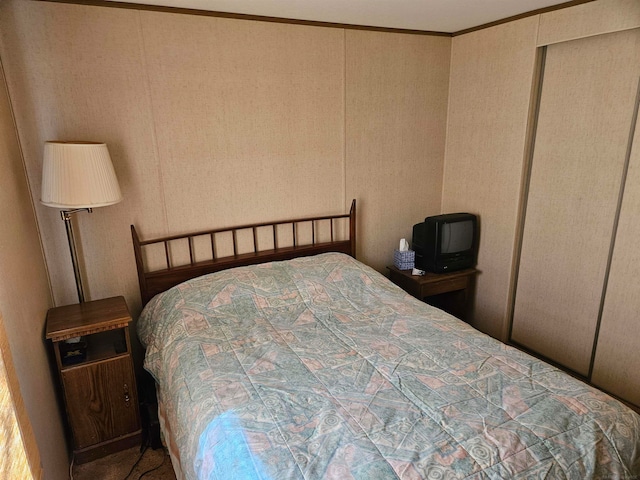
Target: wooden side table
448,291
97,376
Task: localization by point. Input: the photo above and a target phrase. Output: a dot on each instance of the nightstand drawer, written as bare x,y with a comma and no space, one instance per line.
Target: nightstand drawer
445,286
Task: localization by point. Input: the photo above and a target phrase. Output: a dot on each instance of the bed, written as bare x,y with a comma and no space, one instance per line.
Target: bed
312,365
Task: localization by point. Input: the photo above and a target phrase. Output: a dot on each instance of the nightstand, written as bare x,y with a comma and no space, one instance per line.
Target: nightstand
447,291
97,376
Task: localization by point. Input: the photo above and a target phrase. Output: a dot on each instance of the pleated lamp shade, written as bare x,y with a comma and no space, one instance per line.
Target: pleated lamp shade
78,175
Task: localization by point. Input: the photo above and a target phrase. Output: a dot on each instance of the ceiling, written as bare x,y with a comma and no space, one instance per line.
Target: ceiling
428,15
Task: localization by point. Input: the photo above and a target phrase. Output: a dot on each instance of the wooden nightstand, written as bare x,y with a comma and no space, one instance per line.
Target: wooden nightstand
98,383
448,291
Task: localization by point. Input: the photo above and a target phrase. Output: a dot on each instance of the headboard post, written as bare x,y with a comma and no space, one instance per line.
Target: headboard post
137,251
352,227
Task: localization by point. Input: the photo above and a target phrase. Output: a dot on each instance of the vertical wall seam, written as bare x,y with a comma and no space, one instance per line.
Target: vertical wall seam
614,230
143,54
344,118
446,128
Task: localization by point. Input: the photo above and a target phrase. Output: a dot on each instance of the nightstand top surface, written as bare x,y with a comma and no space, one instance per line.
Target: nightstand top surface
430,277
86,318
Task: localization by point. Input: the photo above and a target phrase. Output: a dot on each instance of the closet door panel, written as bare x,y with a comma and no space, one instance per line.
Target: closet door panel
585,114
617,362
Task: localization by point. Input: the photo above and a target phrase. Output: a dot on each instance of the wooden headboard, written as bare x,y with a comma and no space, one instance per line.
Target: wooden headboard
156,281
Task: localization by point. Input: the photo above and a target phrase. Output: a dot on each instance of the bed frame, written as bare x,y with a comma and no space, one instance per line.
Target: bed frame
157,281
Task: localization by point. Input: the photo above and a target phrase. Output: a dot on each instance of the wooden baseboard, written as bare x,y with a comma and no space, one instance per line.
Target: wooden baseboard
103,449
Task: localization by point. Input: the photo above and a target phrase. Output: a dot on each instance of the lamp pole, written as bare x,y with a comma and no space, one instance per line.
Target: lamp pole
66,216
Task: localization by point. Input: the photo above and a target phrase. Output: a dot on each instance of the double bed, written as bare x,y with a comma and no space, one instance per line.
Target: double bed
317,367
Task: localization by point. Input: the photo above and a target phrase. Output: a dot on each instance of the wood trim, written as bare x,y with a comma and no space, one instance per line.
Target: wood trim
67,336
87,318
513,18
312,23
94,452
532,128
26,430
157,281
244,16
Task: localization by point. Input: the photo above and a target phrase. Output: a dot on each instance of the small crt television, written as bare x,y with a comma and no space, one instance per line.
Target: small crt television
445,243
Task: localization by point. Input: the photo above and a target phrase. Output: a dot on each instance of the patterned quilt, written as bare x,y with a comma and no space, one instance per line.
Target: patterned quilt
320,368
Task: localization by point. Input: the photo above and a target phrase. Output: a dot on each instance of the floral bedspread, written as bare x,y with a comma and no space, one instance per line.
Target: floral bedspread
320,368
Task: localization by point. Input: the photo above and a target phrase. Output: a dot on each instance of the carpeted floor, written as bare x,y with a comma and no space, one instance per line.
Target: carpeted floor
118,465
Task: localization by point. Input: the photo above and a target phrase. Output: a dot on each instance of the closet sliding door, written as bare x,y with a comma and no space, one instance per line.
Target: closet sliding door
617,362
585,112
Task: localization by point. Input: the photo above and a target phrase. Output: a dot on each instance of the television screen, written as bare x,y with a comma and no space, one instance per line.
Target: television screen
456,236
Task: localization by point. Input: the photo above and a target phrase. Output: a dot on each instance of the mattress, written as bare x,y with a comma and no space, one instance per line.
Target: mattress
320,368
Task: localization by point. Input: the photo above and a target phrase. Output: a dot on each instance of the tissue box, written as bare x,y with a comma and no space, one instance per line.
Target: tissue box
404,260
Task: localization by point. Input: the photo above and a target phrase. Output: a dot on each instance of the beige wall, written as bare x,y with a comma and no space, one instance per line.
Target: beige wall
490,89
25,298
396,111
491,77
213,122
